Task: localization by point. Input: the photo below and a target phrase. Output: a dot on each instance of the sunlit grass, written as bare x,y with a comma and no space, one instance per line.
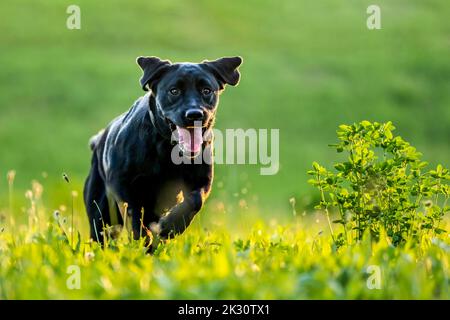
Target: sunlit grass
219,257
309,66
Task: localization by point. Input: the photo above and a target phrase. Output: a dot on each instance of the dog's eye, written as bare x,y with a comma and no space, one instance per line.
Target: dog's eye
175,91
206,91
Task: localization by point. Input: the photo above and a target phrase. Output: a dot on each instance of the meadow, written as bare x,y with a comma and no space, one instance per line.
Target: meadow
264,260
308,67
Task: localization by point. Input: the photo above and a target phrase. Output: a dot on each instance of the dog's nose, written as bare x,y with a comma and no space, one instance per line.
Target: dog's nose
194,114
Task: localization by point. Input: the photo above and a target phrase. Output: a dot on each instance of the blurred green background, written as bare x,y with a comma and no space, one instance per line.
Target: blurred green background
308,67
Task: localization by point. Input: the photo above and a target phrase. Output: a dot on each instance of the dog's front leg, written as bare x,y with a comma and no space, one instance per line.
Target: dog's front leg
181,215
132,219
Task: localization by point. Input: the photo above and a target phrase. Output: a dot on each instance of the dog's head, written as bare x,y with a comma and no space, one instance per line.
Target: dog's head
187,94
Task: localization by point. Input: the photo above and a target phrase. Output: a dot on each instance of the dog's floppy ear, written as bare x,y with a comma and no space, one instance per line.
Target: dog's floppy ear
153,68
226,69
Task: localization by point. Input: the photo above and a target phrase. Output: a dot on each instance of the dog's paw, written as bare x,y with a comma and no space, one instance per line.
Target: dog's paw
162,230
155,228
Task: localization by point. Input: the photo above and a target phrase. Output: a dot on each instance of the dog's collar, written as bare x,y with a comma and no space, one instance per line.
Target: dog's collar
157,121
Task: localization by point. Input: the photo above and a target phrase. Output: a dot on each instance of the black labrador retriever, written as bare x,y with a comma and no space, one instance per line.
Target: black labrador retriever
134,179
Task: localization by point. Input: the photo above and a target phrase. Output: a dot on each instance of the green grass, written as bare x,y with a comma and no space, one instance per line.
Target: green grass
309,66
220,257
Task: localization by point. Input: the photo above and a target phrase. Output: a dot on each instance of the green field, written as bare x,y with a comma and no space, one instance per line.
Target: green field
262,260
309,66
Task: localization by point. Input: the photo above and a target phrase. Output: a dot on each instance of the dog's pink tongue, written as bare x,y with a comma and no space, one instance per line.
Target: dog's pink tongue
191,139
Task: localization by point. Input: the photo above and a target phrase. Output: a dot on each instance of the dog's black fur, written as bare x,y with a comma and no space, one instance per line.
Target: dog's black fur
132,175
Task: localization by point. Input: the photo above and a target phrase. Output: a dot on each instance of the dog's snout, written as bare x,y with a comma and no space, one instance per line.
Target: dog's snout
194,114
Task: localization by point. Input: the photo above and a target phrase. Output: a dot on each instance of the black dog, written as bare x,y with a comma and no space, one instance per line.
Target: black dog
132,170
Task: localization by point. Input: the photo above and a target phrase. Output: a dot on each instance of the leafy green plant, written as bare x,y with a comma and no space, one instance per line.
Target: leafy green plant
382,185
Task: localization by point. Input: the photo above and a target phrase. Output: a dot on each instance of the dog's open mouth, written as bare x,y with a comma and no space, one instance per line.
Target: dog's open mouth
190,140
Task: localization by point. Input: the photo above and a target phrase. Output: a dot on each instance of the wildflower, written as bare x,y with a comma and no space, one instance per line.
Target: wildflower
11,175
29,194
89,256
56,214
292,202
37,189
255,268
